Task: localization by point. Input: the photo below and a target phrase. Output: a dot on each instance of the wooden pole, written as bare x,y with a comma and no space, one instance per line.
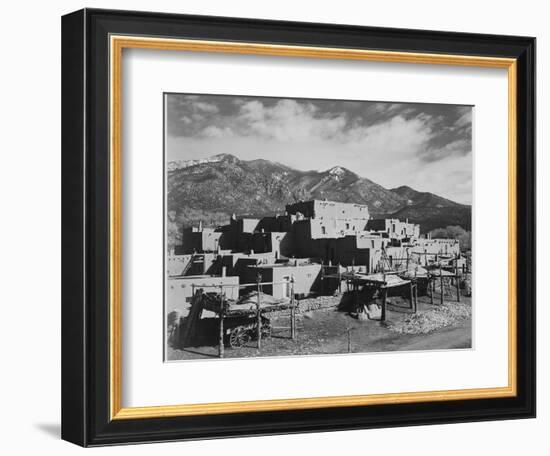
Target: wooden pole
411,297
259,315
292,310
431,287
323,281
339,279
356,295
349,340
441,282
457,279
415,290
384,301
384,298
220,342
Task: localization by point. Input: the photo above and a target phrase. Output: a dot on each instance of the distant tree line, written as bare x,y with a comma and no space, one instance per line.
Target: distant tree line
454,232
178,220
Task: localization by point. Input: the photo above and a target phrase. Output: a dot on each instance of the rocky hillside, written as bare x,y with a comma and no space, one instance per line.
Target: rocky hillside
415,197
213,189
432,211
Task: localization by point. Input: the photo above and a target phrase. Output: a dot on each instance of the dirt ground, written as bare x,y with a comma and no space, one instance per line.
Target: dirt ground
332,331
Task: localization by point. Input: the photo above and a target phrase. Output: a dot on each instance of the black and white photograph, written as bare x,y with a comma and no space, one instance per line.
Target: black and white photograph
312,227
275,228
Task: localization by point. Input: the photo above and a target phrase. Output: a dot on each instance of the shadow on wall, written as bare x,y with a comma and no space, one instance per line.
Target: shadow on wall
206,331
205,334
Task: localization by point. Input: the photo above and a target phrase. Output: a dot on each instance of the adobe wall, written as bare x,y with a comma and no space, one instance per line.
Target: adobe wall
179,290
175,264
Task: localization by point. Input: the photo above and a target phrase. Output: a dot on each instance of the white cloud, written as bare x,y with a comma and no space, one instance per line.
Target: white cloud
465,119
394,152
451,178
209,108
215,132
397,136
454,148
288,121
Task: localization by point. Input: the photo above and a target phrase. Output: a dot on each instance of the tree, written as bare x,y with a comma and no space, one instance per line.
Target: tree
173,230
454,232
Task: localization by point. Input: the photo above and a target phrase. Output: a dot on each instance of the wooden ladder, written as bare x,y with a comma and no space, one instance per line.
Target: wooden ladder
196,258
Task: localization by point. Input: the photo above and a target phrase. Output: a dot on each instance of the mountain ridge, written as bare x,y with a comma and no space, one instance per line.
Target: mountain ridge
214,188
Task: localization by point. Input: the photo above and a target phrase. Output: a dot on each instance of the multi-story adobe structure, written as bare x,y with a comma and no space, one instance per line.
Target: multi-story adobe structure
296,244
395,229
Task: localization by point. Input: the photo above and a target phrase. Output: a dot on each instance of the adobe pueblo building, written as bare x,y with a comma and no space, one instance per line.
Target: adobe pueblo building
314,241
245,274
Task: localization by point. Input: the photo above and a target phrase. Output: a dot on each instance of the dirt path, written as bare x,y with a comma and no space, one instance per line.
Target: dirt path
459,336
444,339
334,332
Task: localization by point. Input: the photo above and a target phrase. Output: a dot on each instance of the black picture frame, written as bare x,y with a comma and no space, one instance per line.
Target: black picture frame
85,225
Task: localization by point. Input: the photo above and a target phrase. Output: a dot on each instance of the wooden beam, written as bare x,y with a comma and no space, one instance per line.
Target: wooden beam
441,283
259,315
411,294
292,310
339,279
220,341
431,286
384,303
457,279
415,297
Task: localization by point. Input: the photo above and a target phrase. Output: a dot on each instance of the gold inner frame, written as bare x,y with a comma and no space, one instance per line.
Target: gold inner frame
117,44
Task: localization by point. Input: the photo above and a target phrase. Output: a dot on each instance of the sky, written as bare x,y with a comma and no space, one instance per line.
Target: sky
425,146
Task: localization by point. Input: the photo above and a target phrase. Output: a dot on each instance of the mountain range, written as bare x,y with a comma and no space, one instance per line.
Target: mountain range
212,189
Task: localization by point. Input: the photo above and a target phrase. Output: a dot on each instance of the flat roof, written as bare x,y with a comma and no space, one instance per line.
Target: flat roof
284,265
200,276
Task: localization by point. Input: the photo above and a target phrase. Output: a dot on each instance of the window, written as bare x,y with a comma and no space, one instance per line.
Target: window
323,230
347,226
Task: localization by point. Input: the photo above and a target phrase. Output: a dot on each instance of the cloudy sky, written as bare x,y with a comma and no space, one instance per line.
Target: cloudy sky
425,146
